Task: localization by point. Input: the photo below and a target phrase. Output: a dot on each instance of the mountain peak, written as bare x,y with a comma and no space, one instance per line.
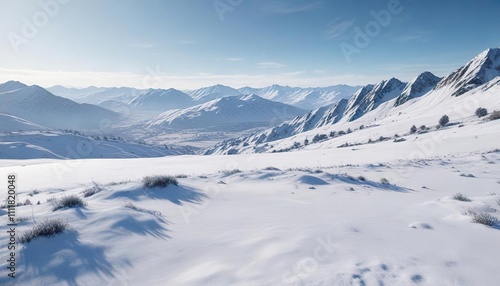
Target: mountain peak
11,85
480,70
419,86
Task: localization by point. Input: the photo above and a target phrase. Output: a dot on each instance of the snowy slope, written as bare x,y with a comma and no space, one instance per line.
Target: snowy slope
161,100
10,123
59,145
480,70
232,110
331,222
36,104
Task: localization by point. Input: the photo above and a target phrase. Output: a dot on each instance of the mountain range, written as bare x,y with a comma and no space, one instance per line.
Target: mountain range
386,99
35,104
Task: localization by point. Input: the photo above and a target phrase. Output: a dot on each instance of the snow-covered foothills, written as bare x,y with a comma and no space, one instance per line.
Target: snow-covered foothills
368,200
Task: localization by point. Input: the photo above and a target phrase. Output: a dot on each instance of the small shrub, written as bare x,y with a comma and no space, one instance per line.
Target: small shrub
181,176
444,120
460,197
423,128
118,183
481,112
34,192
158,181
231,172
361,178
498,202
495,115
413,129
48,228
27,202
481,217
271,169
143,210
384,181
71,201
92,191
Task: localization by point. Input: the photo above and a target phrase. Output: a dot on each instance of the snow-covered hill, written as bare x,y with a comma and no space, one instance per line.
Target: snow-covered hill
10,123
228,111
39,106
161,100
74,145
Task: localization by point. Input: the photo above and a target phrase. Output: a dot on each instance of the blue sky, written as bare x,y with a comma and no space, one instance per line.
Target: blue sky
188,44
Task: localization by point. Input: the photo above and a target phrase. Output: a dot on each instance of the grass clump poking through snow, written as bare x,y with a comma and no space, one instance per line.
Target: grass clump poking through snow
139,209
92,191
271,169
361,178
461,197
48,228
495,115
158,181
481,217
231,172
384,181
71,201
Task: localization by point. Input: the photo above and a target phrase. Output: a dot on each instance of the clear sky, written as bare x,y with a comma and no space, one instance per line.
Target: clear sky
188,44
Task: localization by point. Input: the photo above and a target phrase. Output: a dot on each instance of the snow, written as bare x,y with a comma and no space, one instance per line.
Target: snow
261,227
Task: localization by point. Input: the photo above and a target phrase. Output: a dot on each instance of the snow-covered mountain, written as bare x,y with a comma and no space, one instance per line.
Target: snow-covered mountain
306,98
480,70
209,93
39,106
228,111
161,100
363,102
419,86
388,101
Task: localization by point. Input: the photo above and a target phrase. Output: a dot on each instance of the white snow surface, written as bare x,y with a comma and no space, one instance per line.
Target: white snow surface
267,227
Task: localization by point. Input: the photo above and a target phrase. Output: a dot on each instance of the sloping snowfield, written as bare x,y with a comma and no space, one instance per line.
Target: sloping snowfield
317,217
